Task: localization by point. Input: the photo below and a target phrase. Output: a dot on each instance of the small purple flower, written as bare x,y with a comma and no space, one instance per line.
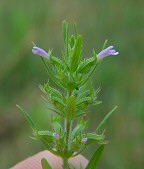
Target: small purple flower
40,52
56,136
106,52
84,140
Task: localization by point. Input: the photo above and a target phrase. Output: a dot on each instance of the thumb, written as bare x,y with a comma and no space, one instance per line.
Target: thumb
34,162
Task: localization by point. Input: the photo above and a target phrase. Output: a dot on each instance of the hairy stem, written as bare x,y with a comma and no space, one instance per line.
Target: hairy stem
65,163
68,125
67,144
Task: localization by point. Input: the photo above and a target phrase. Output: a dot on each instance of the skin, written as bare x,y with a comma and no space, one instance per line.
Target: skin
34,162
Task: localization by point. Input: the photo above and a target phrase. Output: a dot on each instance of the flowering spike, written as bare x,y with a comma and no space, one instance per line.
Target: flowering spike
71,99
106,52
40,52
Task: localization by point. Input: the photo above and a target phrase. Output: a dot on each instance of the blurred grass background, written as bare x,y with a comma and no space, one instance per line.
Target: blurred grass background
121,78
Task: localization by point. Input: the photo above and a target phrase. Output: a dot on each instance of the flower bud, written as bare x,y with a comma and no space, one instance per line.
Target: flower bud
56,136
84,140
40,52
107,52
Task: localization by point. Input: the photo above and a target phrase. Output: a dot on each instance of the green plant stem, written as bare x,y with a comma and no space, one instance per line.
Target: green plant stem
65,163
67,144
68,129
68,125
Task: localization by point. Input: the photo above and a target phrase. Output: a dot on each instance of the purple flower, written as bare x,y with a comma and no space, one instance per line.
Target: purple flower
56,136
40,52
84,140
106,52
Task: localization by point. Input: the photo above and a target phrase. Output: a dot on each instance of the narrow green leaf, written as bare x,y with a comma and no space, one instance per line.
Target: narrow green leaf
79,128
56,111
80,113
86,66
58,100
55,96
27,116
93,163
45,141
88,76
56,61
76,54
76,31
42,88
104,45
53,92
48,135
83,100
45,164
83,94
51,74
106,118
65,35
56,93
72,42
56,124
64,27
48,146
94,136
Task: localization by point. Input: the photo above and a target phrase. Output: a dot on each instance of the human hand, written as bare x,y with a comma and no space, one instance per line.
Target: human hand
34,162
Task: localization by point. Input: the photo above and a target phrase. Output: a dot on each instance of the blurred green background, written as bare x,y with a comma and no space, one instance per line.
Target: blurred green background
121,78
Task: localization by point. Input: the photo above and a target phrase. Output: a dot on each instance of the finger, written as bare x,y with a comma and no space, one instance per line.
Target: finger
34,162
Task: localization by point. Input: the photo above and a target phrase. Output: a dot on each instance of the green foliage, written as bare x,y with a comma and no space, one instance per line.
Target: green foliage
55,122
106,118
75,54
70,102
45,164
121,78
86,98
28,118
45,134
65,35
70,71
87,64
50,72
77,131
55,97
93,163
95,138
56,62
